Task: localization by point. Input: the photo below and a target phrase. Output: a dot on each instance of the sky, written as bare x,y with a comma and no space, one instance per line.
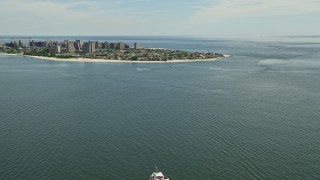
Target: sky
160,17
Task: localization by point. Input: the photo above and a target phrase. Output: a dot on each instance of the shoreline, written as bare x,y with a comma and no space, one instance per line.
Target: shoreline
117,61
7,54
113,60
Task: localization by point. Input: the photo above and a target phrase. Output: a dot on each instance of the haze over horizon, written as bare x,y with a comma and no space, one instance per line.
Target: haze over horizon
151,17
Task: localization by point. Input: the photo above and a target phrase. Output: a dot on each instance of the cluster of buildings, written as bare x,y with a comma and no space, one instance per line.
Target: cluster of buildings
67,46
102,50
15,44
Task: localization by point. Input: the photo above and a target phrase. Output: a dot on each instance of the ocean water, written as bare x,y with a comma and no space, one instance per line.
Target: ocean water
254,115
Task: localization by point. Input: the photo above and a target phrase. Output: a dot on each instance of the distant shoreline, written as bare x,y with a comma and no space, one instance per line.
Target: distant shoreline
112,60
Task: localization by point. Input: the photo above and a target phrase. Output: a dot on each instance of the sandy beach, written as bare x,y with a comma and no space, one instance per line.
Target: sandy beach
117,61
10,54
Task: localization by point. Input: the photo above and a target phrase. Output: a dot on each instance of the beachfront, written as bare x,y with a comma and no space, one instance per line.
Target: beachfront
88,60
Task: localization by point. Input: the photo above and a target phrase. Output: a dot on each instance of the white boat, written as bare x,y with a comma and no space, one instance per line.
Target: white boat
158,176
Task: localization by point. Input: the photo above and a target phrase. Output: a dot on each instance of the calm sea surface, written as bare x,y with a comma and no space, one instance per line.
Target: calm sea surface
255,115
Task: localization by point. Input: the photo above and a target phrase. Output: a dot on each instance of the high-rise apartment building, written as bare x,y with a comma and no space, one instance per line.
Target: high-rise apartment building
121,46
137,45
89,47
70,47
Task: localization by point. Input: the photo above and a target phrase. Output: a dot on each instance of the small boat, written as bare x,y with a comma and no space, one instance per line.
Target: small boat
158,176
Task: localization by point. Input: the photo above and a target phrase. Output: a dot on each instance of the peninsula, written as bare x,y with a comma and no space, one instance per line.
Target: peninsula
93,51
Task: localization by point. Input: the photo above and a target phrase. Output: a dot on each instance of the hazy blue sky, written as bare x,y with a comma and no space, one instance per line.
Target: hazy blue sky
160,17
